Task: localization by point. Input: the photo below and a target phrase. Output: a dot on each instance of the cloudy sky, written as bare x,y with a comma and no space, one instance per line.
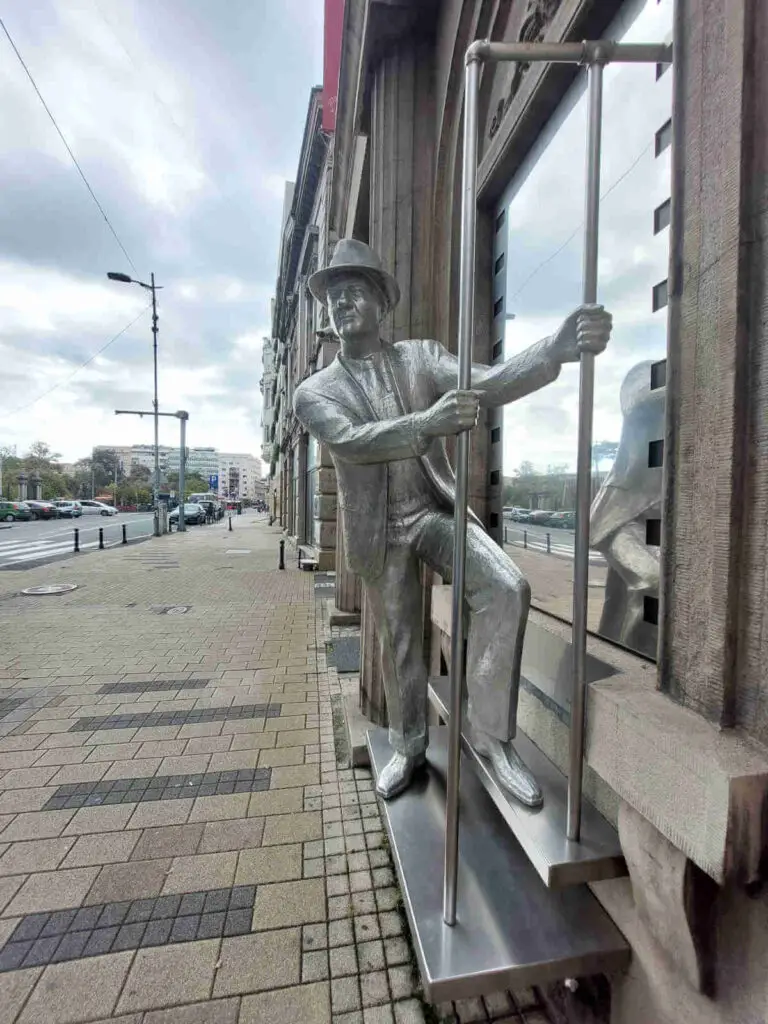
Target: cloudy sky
543,270
186,117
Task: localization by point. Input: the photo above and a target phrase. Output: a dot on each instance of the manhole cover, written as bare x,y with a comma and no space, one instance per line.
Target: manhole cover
170,609
54,588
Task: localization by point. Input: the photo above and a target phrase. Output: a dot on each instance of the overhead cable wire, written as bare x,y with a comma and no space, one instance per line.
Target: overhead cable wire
571,237
66,380
66,144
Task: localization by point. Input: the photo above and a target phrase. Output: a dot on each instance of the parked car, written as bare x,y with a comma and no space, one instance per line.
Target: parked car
97,508
517,514
69,509
540,517
14,510
563,520
193,514
42,509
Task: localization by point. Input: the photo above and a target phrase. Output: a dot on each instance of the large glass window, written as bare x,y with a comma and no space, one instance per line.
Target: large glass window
538,264
313,469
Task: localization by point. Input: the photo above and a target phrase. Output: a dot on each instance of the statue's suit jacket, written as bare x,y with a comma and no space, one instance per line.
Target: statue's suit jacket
334,408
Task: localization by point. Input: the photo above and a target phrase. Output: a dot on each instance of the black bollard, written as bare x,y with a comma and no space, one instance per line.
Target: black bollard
282,555
101,538
77,539
125,534
230,524
525,538
549,544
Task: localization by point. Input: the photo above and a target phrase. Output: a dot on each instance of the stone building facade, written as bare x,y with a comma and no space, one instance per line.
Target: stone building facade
676,755
302,479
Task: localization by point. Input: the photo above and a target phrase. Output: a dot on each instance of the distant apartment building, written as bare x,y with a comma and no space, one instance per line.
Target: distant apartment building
230,474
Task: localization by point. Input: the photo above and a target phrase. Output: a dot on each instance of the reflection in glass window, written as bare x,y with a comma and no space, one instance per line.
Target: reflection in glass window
543,223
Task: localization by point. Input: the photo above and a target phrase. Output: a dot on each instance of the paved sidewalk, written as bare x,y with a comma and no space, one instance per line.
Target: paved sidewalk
179,843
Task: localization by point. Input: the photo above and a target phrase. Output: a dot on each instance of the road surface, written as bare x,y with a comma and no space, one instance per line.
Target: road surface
561,542
32,543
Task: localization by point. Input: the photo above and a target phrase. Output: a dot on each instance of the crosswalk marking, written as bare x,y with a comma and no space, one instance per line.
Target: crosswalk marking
52,545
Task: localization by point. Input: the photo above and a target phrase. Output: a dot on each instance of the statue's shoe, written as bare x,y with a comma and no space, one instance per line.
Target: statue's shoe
397,773
510,769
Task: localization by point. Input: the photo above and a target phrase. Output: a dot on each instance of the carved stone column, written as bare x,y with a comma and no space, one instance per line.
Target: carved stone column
713,616
22,486
402,129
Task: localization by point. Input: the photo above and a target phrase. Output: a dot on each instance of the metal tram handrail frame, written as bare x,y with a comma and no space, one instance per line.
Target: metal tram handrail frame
595,55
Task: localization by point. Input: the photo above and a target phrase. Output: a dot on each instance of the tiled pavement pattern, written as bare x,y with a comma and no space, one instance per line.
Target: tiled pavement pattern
149,686
8,705
51,938
159,787
325,940
197,716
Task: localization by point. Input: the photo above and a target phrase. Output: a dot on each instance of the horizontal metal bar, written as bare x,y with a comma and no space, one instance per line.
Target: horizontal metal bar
588,52
143,412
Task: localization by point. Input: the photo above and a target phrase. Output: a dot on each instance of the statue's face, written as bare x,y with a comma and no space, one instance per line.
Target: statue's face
354,307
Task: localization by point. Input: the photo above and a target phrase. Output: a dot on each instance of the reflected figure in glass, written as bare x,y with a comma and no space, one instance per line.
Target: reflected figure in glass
629,498
384,411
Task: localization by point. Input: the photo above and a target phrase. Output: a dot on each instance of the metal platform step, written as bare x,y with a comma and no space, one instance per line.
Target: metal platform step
542,831
511,930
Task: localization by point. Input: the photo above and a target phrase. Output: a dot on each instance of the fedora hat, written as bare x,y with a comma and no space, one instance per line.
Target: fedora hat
353,257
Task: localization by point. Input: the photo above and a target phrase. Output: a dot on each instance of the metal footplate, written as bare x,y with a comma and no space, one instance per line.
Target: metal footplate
542,831
511,930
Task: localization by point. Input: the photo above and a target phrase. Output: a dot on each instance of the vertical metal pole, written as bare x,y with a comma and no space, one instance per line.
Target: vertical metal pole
466,324
584,460
101,538
77,539
156,487
182,469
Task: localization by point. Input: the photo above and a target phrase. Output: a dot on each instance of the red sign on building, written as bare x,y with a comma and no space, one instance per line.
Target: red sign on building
333,28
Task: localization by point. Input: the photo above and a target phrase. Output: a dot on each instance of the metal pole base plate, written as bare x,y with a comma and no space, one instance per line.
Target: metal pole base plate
511,930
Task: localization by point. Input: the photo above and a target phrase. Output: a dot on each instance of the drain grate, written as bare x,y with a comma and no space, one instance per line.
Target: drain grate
343,653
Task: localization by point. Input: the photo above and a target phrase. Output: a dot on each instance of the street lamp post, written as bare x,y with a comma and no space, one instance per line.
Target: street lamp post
182,415
153,288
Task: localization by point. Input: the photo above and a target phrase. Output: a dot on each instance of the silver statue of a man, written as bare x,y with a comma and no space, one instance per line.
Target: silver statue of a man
384,410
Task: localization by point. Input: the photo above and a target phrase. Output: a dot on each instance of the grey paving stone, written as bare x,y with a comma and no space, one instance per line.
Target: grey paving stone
100,941
134,880
211,925
83,990
168,841
71,946
250,963
185,929
314,966
345,994
238,922
409,1012
309,1004
217,1011
149,719
13,953
163,976
129,936
157,933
